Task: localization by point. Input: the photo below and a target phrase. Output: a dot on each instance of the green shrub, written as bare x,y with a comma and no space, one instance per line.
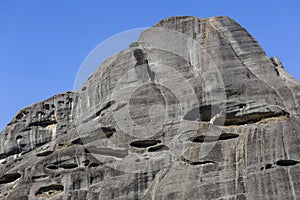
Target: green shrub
134,44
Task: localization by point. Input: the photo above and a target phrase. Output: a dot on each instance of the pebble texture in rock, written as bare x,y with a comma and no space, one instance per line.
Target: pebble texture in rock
193,110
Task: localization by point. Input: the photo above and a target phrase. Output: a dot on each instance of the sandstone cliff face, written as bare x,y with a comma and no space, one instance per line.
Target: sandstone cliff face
194,110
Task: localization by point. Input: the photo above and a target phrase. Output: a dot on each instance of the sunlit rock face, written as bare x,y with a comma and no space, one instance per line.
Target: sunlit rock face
193,110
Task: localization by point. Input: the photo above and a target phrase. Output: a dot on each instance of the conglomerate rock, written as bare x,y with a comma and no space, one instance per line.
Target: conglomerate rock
193,110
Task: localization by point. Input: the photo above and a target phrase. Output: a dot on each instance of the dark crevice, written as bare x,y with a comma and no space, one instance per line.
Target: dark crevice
41,144
86,162
78,141
94,165
284,163
287,162
252,118
104,132
276,62
106,106
26,129
107,152
206,139
76,185
39,113
13,151
203,113
268,166
9,178
201,163
52,167
55,166
57,175
50,190
161,147
207,112
228,136
47,107
197,162
45,153
19,116
22,114
108,131
43,123
144,143
19,137
139,57
142,62
277,72
151,73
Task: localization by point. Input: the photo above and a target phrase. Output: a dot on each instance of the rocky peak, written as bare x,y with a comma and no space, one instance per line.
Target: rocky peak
193,110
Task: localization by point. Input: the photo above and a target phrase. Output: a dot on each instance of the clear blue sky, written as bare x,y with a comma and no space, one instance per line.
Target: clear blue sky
44,42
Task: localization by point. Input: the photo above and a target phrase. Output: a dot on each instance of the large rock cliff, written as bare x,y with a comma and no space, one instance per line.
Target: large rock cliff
193,110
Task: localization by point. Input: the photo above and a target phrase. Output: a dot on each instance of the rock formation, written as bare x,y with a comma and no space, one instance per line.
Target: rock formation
193,110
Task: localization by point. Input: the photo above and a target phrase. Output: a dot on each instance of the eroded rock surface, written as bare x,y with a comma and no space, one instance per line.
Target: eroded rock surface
193,110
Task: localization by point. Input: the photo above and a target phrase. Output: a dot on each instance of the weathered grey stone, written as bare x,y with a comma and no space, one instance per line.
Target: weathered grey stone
196,110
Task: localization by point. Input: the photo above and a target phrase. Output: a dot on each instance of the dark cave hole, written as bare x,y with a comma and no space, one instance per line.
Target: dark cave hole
286,162
49,190
8,178
45,153
144,143
206,139
68,166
